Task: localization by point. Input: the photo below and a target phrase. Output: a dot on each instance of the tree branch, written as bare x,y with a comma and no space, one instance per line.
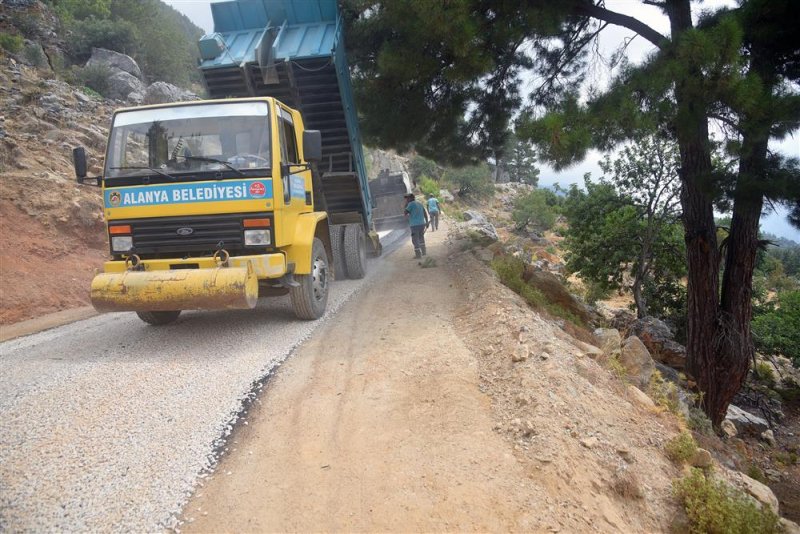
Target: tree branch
618,19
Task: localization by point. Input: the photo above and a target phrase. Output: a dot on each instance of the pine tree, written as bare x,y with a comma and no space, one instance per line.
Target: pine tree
444,78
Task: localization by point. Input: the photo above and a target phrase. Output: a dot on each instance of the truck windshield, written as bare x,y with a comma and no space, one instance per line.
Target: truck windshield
190,139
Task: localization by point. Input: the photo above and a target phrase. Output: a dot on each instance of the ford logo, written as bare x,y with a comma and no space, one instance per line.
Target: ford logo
184,231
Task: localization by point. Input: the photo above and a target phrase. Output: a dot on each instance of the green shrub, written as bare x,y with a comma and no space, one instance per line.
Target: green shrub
778,331
25,23
35,55
786,458
663,392
765,374
681,448
428,186
94,77
714,507
594,292
88,91
532,209
510,269
10,43
83,9
420,166
427,263
118,35
755,472
699,421
617,368
474,181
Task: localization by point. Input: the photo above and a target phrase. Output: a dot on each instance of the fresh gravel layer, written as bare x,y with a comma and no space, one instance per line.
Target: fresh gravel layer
106,424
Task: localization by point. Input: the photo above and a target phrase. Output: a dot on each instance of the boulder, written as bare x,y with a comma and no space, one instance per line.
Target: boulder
637,361
640,397
446,196
163,92
760,492
769,437
114,61
668,373
728,428
789,527
622,319
124,86
476,221
702,459
746,423
657,337
608,339
475,217
588,350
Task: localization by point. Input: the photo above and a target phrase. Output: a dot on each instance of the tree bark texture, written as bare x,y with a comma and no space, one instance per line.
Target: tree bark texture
700,229
735,344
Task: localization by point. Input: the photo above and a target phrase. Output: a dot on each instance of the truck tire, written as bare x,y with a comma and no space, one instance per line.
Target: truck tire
159,318
355,251
337,249
310,298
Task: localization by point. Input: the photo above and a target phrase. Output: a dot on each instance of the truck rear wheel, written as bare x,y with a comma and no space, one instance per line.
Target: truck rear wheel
310,298
355,251
337,249
159,318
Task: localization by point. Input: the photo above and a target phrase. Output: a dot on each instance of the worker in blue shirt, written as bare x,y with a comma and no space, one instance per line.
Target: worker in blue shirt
434,209
418,220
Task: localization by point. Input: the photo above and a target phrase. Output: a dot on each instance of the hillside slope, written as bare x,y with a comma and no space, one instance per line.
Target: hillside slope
51,232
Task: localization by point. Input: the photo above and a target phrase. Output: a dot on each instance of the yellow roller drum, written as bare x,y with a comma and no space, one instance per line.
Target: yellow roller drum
180,289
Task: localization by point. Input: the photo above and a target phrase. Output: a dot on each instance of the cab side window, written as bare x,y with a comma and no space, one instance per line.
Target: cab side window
288,150
290,155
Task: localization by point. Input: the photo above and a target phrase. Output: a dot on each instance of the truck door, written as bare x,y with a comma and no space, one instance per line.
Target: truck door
294,180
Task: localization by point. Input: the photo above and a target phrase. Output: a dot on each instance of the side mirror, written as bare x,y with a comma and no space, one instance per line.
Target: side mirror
79,161
312,145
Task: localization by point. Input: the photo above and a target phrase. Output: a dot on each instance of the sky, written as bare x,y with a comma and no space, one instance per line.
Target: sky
775,223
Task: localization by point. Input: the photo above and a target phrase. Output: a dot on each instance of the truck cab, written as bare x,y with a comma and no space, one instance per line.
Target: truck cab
210,204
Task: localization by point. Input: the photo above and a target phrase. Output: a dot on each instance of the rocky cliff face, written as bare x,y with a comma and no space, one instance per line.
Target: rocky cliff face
51,231
52,234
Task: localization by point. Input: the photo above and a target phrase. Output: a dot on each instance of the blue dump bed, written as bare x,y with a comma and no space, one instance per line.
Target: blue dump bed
293,50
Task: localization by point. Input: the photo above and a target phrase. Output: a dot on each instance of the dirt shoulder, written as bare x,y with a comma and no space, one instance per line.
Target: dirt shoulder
406,413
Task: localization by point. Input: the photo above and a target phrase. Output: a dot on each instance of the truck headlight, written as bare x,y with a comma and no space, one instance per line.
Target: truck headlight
256,238
121,243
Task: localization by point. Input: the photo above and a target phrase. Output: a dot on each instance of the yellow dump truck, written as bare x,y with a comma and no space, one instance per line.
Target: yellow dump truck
211,204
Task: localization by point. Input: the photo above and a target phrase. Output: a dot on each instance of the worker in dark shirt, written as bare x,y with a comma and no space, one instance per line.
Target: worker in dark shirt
417,219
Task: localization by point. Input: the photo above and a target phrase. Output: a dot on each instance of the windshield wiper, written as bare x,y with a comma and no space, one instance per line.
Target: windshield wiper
152,169
212,160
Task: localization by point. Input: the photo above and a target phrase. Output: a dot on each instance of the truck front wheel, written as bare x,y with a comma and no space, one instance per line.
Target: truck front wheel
310,298
158,318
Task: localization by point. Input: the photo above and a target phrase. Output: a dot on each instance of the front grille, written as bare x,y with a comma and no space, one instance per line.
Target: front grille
159,236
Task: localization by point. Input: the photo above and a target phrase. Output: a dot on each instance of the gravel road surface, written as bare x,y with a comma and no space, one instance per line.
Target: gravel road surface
106,423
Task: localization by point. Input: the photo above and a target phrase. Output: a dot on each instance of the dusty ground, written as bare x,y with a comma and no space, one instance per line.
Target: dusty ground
407,414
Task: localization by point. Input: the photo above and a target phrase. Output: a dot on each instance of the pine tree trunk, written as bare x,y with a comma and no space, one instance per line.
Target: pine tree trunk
735,347
698,219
